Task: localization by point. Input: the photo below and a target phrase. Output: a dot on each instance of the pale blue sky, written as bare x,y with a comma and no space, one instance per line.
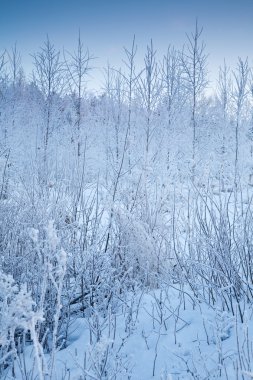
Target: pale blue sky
108,25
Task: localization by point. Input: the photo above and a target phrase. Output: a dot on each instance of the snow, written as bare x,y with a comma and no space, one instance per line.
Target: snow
152,340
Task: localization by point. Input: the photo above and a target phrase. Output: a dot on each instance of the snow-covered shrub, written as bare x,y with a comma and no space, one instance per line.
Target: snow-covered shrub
214,252
133,246
52,260
17,314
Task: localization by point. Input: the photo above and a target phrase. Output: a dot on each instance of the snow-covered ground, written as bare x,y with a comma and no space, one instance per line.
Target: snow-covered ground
160,335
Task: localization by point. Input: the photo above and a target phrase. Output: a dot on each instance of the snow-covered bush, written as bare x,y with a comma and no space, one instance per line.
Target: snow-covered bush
17,316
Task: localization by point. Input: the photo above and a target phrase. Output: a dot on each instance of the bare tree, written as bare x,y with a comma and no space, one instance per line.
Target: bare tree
131,80
224,88
115,92
16,76
149,87
2,79
2,64
250,132
78,68
224,91
172,87
15,66
240,93
194,62
48,77
172,81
